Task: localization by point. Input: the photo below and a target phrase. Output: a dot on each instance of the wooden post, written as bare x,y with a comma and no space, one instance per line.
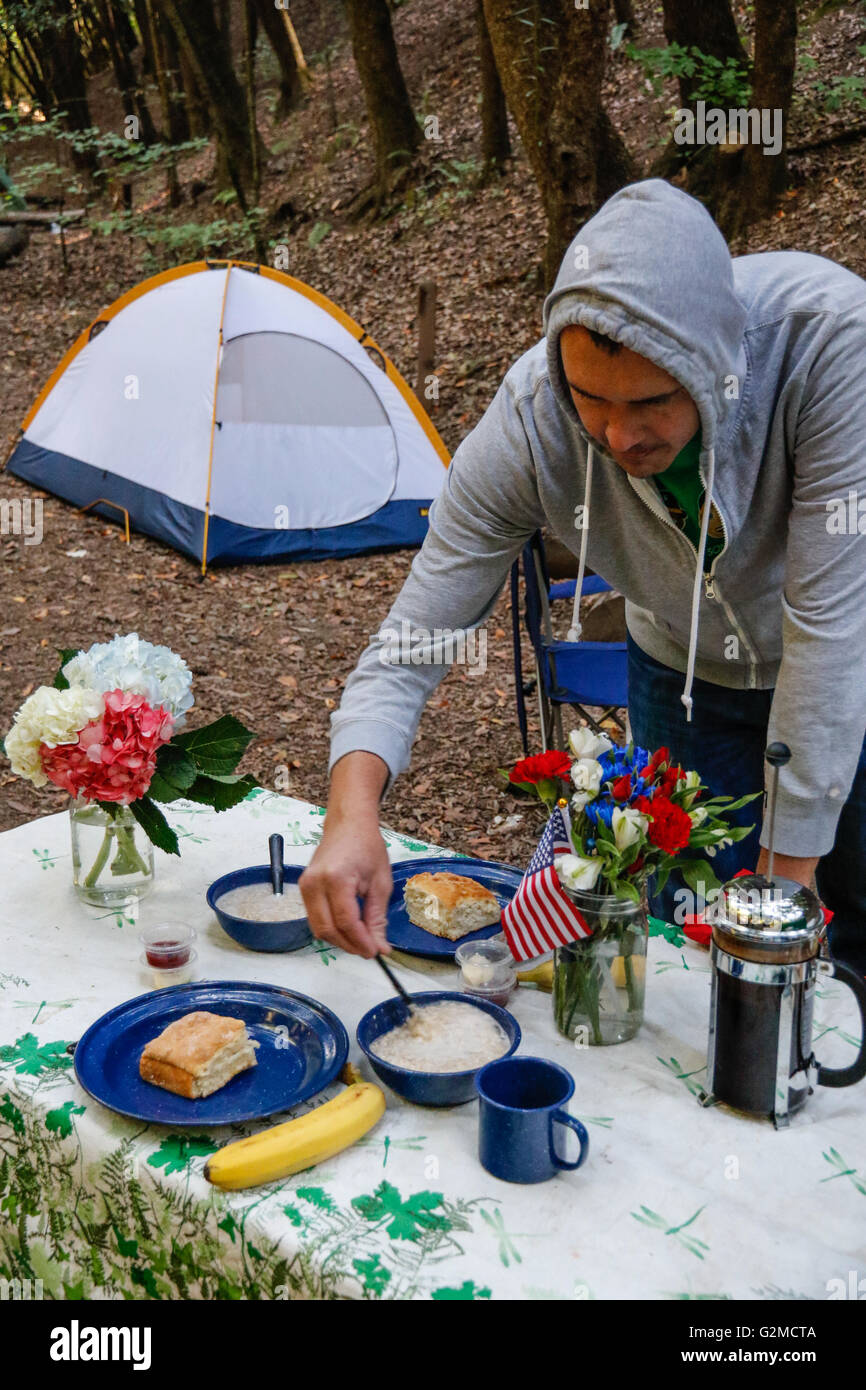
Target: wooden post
426,340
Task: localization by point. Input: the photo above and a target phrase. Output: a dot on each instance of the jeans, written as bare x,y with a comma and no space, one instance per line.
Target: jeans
725,743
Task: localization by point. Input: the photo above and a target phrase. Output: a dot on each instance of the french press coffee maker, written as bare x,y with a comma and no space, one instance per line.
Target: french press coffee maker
768,950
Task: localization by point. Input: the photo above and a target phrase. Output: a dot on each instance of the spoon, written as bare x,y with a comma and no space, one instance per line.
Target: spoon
275,845
407,998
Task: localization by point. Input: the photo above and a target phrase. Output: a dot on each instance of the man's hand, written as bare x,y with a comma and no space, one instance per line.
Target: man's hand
351,862
787,866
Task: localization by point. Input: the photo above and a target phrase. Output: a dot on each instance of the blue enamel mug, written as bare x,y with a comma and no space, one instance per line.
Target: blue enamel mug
521,1107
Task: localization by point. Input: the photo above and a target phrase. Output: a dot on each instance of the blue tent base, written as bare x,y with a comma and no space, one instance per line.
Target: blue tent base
395,526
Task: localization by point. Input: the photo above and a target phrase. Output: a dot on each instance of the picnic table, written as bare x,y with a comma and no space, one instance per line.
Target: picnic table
675,1201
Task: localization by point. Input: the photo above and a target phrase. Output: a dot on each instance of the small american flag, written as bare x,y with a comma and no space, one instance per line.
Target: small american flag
541,915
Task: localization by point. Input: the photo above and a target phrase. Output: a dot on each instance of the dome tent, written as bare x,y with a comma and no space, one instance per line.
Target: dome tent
239,415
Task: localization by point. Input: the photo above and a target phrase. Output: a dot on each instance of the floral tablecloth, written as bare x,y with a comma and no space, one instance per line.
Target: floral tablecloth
675,1201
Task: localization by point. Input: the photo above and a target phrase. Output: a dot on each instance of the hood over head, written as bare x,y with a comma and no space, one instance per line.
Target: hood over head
652,271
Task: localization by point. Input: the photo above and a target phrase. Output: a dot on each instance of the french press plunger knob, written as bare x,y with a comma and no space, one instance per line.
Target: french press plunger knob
768,936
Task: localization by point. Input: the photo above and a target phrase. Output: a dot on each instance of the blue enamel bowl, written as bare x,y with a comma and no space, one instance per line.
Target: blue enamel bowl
427,1087
289,935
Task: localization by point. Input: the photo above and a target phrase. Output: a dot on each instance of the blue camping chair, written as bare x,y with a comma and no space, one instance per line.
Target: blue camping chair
579,674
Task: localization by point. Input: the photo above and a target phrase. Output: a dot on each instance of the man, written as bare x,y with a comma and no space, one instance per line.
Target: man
694,426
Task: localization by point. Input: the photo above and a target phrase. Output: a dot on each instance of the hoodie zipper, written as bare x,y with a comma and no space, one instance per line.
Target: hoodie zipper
711,590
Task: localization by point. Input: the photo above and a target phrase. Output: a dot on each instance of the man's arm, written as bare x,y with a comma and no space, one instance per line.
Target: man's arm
486,512
818,707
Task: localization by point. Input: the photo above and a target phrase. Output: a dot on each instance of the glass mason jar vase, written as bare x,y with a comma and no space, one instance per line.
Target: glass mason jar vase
598,983
112,857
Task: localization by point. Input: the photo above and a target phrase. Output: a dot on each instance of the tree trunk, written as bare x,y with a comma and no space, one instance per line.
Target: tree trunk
291,86
63,69
763,177
179,122
624,14
197,110
131,95
495,141
709,26
577,156
393,128
158,49
210,58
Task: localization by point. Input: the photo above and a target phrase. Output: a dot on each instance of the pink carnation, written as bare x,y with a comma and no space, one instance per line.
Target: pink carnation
114,758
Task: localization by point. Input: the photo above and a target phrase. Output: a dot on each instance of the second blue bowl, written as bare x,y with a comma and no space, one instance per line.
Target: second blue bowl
290,935
428,1087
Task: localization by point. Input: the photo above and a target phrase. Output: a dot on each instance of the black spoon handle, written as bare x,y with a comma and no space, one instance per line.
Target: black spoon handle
275,845
407,998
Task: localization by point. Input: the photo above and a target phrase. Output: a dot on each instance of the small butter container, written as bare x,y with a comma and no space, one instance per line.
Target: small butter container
165,975
168,951
487,969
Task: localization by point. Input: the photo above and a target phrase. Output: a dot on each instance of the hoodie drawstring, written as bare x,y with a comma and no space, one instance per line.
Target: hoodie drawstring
686,696
573,634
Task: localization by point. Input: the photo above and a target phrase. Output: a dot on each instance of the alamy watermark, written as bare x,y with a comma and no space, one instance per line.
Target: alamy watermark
438,646
710,125
22,516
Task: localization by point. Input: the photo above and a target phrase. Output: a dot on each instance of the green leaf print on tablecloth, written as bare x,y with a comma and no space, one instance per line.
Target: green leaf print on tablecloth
836,1161
373,1275
32,1059
467,1291
59,1121
175,1152
687,1077
690,1243
403,1220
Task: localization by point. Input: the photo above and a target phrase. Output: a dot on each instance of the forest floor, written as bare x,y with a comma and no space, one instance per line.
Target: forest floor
274,644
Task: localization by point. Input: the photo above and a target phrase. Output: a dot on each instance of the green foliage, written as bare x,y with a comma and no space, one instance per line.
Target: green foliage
154,825
318,234
725,84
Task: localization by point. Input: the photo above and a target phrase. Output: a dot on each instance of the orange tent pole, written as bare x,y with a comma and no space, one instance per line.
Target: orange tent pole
216,377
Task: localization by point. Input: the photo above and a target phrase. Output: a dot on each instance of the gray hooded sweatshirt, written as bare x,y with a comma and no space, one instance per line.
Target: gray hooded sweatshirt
772,350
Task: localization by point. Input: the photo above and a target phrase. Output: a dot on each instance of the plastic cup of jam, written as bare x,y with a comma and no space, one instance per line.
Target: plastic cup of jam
165,975
167,945
487,969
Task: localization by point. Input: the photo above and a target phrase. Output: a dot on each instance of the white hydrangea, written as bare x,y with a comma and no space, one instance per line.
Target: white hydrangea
49,716
129,663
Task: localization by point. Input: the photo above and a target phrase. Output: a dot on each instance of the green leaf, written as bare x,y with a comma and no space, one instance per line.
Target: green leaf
175,772
154,825
216,748
221,792
623,889
66,654
699,876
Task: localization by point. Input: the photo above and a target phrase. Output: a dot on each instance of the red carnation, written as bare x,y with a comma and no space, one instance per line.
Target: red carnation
669,779
669,827
541,768
621,789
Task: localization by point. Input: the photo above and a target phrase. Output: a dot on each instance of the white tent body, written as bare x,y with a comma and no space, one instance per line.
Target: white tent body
237,414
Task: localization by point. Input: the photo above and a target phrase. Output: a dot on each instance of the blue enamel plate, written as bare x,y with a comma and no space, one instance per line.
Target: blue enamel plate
303,1047
500,879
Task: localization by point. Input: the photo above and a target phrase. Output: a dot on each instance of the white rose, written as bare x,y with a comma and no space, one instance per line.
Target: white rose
586,776
576,872
579,801
585,744
49,716
628,825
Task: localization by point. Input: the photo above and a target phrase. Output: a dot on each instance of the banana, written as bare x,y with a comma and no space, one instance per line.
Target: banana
542,976
298,1144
